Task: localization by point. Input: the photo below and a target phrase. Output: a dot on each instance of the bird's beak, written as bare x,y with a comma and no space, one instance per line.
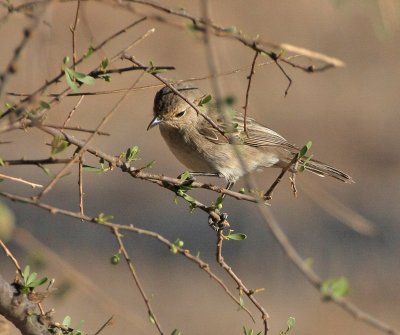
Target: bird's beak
155,122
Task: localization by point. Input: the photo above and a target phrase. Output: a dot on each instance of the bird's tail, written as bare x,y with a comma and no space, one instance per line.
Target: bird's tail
322,170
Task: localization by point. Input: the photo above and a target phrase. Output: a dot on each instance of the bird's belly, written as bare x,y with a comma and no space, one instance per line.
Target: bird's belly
186,152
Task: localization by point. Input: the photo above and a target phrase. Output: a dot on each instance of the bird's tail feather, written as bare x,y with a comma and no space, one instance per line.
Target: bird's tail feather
322,170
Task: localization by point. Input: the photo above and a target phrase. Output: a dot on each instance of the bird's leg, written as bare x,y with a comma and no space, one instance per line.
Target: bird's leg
228,187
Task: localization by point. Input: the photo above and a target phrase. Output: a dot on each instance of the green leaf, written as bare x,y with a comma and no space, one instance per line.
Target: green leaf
90,168
305,149
44,105
38,282
105,77
152,69
104,64
89,52
176,332
151,318
185,176
25,273
235,236
290,323
102,218
230,101
231,29
83,78
218,202
205,100
67,321
115,259
66,60
58,145
335,287
70,81
132,154
2,162
31,278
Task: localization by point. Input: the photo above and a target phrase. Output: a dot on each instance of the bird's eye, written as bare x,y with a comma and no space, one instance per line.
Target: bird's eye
180,114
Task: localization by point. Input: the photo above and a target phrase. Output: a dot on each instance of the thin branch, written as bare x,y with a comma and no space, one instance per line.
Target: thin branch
72,112
268,194
13,259
139,285
20,180
239,282
80,184
77,128
73,32
249,78
12,65
106,324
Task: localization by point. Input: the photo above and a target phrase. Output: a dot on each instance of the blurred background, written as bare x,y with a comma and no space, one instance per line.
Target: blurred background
351,114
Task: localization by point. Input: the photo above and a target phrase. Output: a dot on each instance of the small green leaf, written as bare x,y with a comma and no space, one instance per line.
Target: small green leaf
235,236
104,64
290,323
176,332
2,162
58,145
44,105
231,29
115,259
38,282
83,78
70,81
152,69
185,176
132,154
305,149
205,100
89,52
67,321
151,318
218,202
335,287
105,77
102,218
25,273
66,60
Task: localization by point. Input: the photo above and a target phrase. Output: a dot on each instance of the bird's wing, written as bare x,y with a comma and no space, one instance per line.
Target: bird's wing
257,135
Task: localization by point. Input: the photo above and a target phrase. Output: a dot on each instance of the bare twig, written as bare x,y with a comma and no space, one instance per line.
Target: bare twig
268,194
239,282
13,259
135,276
20,180
73,32
106,324
249,77
73,111
80,184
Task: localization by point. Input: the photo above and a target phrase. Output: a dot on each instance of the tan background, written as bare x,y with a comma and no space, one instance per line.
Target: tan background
351,115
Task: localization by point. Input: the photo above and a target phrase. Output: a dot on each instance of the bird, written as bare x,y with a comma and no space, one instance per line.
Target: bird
225,148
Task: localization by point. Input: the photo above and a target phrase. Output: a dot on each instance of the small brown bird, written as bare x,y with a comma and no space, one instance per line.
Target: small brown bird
204,150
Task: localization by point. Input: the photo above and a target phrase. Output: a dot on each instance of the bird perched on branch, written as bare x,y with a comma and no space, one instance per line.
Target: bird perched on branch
212,142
